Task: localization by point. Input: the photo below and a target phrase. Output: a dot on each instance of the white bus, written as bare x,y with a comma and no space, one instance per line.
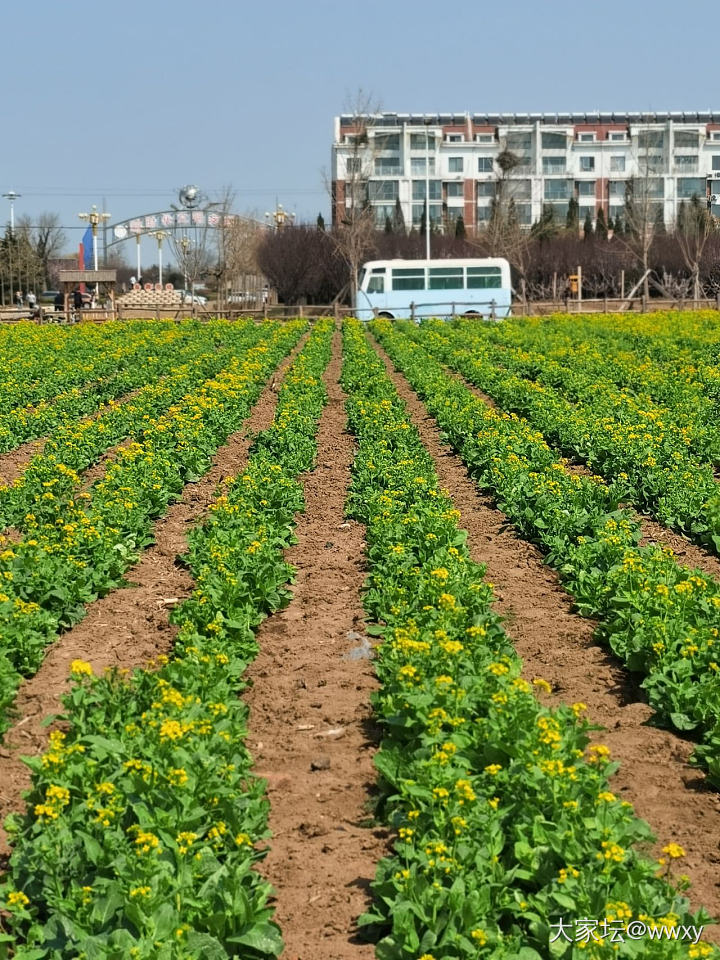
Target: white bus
432,288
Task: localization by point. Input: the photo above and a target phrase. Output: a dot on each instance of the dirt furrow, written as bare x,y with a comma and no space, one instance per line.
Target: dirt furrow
558,645
14,462
130,625
310,719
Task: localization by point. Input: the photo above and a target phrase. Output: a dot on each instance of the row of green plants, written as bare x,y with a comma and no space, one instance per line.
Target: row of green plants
505,821
650,454
60,566
145,823
144,357
672,401
41,362
52,477
660,618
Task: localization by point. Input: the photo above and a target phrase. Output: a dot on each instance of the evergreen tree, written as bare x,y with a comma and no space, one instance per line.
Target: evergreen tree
601,228
660,230
398,219
572,219
611,225
545,227
588,226
320,222
460,227
388,225
423,219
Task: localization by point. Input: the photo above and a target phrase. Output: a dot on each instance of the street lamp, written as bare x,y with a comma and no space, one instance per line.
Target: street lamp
12,197
160,236
279,217
94,218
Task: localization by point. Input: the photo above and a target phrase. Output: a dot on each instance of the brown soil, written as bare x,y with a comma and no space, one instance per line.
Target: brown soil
557,644
129,626
310,728
14,462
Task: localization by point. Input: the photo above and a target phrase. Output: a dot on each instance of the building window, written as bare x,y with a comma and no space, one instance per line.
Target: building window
484,138
353,165
454,138
435,213
651,163
686,139
650,138
586,137
518,142
557,190
486,188
485,164
519,189
619,136
587,164
554,141
455,164
691,187
617,164
716,163
616,189
483,214
418,189
455,189
383,190
417,165
419,141
686,162
523,212
586,188
584,211
387,141
553,165
454,214
385,166
715,135
383,212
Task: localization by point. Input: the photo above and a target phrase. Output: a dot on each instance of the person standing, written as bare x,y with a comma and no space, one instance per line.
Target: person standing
31,300
19,299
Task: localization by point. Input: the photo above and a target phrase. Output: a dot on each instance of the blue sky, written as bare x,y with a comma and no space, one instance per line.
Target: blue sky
131,101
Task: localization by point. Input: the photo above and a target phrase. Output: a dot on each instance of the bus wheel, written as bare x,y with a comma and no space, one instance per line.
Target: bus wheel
386,316
471,313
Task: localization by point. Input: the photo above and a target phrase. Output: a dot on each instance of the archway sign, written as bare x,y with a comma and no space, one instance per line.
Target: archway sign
196,213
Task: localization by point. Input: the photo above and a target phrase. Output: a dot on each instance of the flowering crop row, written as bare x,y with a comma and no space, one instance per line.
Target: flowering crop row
504,816
144,355
660,618
650,451
45,362
61,565
144,820
51,478
674,362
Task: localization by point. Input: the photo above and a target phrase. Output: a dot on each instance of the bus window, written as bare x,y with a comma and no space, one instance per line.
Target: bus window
446,278
361,277
483,278
376,285
409,279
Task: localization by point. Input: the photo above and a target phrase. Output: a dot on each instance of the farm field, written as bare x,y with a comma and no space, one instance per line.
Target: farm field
386,641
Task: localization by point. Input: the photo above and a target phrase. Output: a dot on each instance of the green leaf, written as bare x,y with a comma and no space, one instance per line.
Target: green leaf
264,937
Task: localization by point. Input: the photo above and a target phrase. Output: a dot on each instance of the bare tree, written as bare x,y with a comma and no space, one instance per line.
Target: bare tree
693,228
48,240
355,227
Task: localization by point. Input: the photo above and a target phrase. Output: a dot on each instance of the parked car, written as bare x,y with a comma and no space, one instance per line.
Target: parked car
187,296
48,296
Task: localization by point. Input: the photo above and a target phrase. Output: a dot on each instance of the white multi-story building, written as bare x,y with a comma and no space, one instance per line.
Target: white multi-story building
397,159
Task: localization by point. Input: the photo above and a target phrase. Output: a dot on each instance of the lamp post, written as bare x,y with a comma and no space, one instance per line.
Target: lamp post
12,197
94,218
137,247
427,188
279,217
160,236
